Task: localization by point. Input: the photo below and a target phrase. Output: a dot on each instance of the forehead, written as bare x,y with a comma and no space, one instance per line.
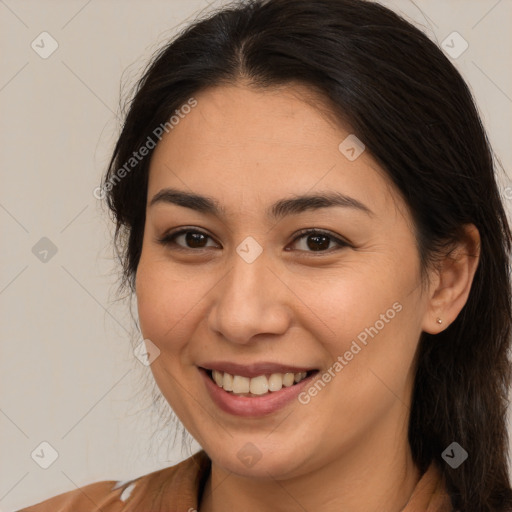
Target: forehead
289,114
265,143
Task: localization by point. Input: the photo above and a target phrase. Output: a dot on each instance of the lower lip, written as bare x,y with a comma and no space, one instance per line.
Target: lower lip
253,406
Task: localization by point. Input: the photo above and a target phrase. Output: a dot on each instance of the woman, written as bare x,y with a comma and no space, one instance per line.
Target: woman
307,212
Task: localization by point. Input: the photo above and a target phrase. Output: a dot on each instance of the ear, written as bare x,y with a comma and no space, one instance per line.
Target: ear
451,285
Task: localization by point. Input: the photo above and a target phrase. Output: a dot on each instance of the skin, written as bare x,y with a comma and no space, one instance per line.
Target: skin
347,448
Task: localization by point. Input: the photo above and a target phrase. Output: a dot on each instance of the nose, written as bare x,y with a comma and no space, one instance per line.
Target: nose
251,299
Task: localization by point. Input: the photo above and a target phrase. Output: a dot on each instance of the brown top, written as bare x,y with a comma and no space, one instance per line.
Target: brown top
178,488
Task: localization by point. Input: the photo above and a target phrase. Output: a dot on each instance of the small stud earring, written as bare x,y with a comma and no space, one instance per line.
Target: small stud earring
439,321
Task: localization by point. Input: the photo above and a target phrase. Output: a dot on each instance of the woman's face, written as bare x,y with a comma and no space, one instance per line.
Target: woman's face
245,292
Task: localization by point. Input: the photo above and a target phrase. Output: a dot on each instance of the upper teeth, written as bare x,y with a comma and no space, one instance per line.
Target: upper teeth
257,385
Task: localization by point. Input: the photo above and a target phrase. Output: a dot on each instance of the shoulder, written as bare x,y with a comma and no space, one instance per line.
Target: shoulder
176,485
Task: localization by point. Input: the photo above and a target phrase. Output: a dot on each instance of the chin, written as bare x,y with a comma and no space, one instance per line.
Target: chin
260,459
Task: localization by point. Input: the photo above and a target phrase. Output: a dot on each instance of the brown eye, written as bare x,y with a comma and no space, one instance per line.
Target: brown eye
318,241
191,239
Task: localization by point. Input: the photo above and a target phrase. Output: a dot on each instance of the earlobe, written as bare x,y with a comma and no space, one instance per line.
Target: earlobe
455,277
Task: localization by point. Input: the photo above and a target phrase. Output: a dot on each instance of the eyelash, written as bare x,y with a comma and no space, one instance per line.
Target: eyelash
168,240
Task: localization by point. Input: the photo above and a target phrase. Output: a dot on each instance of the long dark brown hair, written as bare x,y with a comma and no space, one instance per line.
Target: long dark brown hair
413,111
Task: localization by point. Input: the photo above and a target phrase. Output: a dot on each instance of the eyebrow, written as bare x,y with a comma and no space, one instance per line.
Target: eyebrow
282,208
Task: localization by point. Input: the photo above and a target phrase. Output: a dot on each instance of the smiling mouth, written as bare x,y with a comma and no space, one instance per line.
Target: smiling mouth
259,385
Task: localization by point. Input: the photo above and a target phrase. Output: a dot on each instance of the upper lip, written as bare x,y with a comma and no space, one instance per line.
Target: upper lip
254,369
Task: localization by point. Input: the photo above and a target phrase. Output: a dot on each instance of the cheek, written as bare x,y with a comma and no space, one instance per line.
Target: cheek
376,319
377,352
361,301
169,302
160,301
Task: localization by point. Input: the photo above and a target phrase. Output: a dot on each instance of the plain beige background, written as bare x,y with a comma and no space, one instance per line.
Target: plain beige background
68,374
